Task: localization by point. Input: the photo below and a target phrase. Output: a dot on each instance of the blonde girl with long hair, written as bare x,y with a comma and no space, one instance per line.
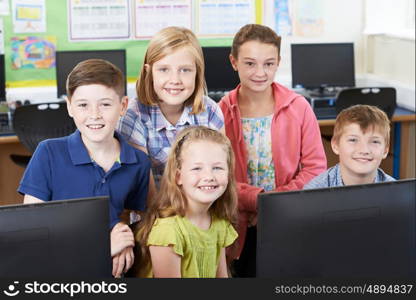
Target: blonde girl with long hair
186,230
171,95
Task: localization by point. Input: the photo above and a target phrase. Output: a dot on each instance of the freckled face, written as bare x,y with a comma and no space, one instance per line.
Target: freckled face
96,110
360,153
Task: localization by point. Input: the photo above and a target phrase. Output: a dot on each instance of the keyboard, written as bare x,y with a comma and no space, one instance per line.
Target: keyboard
216,95
323,113
326,94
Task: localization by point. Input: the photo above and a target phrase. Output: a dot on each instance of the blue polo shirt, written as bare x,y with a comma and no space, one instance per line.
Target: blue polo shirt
62,169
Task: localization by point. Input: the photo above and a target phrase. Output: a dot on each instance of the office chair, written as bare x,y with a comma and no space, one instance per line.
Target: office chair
382,97
37,122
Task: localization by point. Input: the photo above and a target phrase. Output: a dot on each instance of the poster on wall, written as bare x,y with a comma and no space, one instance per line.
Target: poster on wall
4,8
308,19
98,20
152,15
29,16
223,17
282,17
33,52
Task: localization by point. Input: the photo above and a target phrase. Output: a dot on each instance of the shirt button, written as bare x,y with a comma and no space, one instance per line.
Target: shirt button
103,180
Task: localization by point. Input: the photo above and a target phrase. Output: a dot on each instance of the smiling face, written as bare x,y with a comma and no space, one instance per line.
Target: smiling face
96,110
360,153
174,77
203,176
256,64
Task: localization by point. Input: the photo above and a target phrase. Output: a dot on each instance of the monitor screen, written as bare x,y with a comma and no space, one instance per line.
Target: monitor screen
219,74
362,231
67,60
68,238
323,65
2,79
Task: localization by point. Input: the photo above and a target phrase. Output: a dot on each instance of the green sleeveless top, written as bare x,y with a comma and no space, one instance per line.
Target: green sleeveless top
200,249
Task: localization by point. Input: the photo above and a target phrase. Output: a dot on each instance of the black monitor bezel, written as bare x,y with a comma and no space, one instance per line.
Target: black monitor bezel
2,78
214,73
79,227
280,268
62,58
299,81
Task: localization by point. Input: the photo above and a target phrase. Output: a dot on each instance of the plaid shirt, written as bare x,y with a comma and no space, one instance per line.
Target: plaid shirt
146,126
332,177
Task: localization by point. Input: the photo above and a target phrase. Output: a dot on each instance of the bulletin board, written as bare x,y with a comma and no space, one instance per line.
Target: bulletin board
57,28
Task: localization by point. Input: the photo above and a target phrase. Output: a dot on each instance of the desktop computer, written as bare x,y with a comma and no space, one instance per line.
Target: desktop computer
56,239
357,231
219,74
323,70
67,60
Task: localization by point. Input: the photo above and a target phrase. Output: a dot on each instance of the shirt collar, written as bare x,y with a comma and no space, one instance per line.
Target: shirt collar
380,176
76,148
127,152
162,123
79,154
338,177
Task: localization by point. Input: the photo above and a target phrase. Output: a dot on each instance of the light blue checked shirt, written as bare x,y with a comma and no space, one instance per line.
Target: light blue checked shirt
332,177
146,126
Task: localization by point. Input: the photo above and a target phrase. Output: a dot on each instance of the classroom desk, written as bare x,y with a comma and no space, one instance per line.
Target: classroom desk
10,173
400,162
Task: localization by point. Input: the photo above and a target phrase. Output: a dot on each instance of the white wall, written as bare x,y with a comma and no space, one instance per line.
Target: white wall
343,22
392,58
391,61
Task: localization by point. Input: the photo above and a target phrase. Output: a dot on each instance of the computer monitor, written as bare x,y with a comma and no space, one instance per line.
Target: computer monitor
219,74
361,231
67,60
56,239
2,79
318,66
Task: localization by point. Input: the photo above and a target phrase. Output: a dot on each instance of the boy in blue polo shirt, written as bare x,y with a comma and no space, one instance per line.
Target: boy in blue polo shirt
94,160
361,140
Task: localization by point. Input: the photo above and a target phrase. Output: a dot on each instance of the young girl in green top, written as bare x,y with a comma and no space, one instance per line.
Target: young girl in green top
186,230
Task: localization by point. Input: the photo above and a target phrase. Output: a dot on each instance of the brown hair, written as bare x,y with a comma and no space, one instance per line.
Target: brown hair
165,42
171,201
367,117
95,71
255,32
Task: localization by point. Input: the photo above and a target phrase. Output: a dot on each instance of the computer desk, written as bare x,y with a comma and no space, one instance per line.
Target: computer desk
402,147
10,173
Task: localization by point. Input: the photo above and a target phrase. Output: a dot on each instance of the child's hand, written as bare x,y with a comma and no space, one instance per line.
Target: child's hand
252,220
121,237
123,261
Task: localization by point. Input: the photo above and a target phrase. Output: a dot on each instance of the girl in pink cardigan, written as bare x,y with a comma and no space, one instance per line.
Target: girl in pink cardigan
274,134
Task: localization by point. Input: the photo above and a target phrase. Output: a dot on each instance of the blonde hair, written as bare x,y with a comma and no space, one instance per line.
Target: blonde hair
165,42
367,117
171,201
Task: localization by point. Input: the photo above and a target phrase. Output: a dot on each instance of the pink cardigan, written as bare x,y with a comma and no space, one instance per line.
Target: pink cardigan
297,150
